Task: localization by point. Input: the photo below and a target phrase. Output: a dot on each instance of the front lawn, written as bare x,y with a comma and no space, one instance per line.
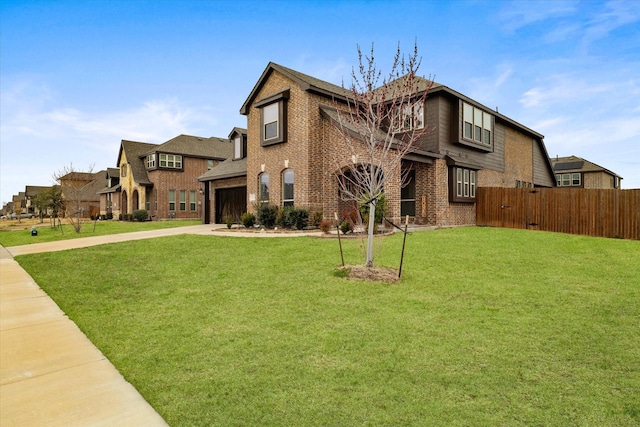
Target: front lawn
21,235
486,327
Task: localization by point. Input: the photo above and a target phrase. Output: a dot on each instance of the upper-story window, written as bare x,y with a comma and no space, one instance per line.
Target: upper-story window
237,147
409,117
171,161
569,179
210,164
273,118
123,170
151,161
478,125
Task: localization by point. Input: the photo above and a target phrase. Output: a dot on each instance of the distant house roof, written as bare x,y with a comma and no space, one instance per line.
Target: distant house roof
230,168
196,146
577,164
237,130
33,190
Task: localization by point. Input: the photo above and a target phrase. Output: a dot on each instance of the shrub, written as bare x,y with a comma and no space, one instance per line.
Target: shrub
299,218
316,219
248,219
109,215
228,220
267,215
140,215
283,217
346,226
325,226
381,209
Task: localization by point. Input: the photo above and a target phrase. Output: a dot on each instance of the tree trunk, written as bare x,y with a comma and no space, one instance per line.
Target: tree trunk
372,219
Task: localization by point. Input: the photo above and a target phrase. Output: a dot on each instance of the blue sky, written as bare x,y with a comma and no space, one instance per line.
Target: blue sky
77,77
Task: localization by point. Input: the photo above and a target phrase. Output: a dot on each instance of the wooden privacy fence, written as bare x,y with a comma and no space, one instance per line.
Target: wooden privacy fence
590,212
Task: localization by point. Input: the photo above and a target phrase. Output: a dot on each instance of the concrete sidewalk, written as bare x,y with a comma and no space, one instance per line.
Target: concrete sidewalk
50,373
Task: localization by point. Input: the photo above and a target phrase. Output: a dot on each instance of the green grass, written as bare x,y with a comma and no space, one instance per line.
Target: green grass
487,327
46,233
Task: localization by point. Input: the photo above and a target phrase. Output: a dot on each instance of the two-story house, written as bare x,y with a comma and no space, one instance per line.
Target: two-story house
291,132
162,178
573,171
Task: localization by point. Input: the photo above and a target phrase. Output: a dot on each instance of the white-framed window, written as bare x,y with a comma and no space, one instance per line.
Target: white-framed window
210,164
408,195
478,124
573,179
464,184
172,200
237,147
151,161
287,187
273,119
410,117
183,200
271,122
173,161
192,200
263,184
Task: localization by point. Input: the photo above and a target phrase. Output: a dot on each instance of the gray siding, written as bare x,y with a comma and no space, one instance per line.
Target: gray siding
541,174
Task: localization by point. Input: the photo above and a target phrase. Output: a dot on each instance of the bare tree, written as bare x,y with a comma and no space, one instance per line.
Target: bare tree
380,124
72,184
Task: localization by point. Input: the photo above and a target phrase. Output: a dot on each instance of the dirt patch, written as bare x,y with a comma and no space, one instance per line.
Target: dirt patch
23,224
369,274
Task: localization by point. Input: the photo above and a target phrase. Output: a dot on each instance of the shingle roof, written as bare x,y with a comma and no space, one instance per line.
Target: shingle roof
134,151
196,146
230,168
578,164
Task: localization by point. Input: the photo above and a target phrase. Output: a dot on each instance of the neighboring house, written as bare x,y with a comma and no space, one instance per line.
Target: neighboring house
163,178
110,196
291,130
31,192
80,193
573,171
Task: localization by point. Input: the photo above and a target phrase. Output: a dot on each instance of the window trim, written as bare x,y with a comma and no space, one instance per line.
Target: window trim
172,200
171,161
406,116
288,201
151,161
463,184
281,99
484,118
193,201
261,199
183,200
410,180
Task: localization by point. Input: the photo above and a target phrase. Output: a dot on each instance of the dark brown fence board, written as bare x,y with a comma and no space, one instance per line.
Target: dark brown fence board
590,212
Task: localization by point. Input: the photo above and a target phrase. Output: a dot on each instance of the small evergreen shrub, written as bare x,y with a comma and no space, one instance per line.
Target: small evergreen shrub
346,226
316,218
229,221
248,219
140,215
299,218
267,215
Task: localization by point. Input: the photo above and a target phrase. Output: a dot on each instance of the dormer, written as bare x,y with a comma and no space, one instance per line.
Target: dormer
238,137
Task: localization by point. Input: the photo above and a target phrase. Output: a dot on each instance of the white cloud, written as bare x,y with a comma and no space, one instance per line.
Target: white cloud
39,135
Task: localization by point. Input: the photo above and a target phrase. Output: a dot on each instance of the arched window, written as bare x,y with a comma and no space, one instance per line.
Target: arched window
287,187
263,184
